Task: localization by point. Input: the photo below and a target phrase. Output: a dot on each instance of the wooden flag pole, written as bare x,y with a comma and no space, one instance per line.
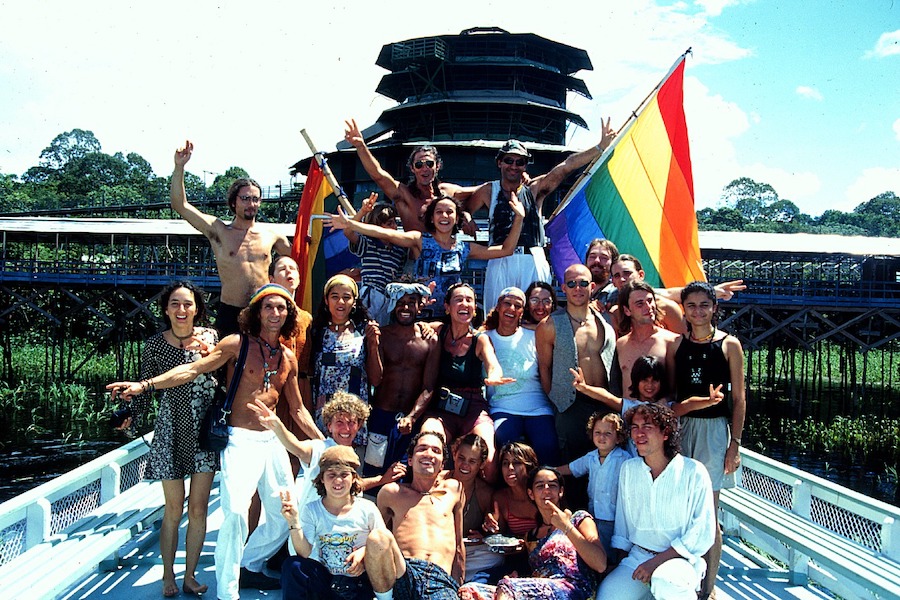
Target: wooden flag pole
329,176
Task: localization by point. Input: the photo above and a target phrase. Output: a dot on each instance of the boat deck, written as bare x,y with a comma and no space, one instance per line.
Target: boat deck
742,576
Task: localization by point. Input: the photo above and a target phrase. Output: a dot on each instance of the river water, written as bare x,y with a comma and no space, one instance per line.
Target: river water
29,464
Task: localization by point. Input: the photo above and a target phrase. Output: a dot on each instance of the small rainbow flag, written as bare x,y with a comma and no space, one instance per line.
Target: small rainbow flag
639,194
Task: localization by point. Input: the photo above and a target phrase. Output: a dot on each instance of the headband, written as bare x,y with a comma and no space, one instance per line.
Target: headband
395,291
341,279
270,289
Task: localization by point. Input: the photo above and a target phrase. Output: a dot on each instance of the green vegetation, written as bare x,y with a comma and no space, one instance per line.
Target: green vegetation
748,205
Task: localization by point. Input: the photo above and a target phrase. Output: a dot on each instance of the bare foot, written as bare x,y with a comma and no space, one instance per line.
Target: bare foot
170,590
193,587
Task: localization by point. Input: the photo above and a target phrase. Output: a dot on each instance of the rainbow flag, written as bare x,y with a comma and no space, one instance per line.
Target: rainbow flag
308,236
639,194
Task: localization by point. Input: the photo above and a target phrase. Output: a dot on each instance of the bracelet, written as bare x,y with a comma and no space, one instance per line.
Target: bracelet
292,528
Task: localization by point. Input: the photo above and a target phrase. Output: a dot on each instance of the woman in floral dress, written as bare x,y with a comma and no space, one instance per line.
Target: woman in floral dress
175,452
565,553
344,352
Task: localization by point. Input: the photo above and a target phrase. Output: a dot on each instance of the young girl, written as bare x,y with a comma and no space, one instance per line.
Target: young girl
330,533
440,256
602,468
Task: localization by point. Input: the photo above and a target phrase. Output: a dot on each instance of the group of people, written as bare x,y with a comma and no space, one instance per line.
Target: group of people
467,434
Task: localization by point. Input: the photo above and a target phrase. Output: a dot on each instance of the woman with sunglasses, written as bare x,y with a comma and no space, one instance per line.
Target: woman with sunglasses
380,262
440,256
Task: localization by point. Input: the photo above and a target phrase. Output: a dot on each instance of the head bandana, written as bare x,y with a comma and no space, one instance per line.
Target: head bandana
511,291
270,289
395,291
341,279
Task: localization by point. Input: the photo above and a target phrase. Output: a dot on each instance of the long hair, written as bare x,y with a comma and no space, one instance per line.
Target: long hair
543,285
235,187
603,243
429,214
519,451
199,300
250,323
664,418
359,316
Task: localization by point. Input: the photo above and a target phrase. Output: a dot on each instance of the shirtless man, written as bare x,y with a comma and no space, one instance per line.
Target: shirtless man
410,199
243,248
637,316
254,457
576,336
528,263
409,352
423,555
668,312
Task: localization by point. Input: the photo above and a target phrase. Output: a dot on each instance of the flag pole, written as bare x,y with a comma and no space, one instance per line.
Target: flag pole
319,157
631,118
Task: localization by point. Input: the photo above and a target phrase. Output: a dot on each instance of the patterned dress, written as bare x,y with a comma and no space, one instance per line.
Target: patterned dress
341,365
558,573
174,453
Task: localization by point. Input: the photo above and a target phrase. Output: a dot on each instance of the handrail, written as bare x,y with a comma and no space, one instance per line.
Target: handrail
37,515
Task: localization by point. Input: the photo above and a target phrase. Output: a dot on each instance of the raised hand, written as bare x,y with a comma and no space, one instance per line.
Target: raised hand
353,135
183,154
516,206
726,289
607,136
337,221
289,509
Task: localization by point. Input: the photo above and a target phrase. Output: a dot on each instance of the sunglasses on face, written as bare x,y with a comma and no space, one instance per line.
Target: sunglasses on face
423,163
519,162
579,283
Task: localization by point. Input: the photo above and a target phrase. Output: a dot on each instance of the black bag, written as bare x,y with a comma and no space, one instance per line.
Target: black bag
452,403
214,426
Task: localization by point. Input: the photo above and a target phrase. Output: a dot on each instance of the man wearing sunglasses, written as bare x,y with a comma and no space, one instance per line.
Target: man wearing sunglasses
528,263
410,199
574,337
243,248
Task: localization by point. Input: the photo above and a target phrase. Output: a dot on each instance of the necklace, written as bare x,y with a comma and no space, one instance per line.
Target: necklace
180,338
267,374
337,326
576,322
706,338
465,333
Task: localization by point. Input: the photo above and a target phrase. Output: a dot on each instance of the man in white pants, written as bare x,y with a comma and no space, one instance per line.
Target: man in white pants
665,521
253,458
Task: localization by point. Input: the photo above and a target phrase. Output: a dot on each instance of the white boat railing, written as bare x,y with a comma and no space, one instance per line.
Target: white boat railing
40,514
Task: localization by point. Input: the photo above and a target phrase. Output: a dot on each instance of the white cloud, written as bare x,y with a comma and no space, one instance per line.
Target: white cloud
800,187
714,8
896,128
888,44
809,92
870,183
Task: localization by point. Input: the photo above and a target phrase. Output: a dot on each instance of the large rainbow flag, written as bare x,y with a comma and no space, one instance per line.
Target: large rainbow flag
308,235
639,194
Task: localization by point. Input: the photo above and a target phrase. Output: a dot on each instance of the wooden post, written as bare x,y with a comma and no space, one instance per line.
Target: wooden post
329,176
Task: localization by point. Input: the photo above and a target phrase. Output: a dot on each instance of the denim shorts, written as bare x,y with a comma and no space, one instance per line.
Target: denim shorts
425,580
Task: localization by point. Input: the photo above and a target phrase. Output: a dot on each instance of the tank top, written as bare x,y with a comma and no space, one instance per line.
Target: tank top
459,371
501,218
472,515
697,365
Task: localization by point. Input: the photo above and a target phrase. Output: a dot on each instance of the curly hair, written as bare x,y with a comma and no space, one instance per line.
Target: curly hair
250,321
199,300
347,403
664,418
429,214
438,163
613,418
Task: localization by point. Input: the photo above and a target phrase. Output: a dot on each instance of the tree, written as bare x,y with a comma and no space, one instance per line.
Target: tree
749,197
219,188
881,215
69,146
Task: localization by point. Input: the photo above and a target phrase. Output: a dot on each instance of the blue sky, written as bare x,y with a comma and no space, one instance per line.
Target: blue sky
801,95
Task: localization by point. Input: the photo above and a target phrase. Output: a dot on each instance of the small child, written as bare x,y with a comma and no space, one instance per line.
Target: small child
330,533
607,430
